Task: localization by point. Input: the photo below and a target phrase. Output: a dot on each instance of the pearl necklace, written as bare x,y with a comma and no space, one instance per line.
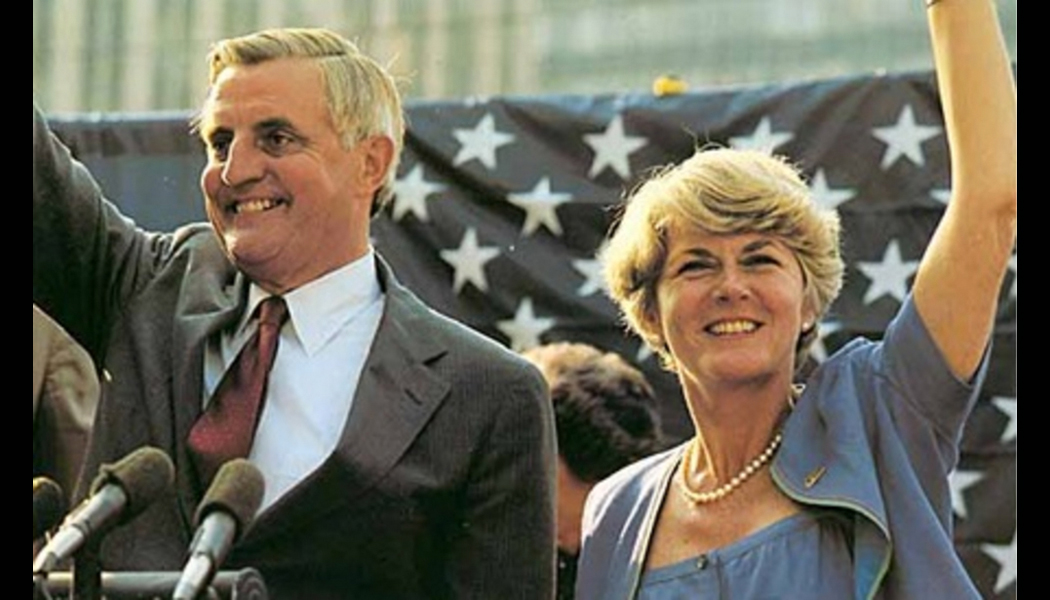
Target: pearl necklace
689,460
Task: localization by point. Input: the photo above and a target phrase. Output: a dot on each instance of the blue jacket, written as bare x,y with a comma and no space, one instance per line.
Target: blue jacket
876,433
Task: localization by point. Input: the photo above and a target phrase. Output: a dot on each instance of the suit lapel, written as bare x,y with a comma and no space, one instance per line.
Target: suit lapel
201,312
395,398
397,394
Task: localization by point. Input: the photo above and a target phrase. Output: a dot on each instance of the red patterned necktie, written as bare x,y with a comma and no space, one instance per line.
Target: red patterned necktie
226,429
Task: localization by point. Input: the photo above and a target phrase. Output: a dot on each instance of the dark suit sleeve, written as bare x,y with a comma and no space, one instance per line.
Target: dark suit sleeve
87,257
506,543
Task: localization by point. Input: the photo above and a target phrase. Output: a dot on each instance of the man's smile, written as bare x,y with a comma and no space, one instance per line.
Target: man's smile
254,205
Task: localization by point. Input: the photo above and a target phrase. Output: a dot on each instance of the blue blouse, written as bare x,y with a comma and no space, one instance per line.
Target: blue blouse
806,555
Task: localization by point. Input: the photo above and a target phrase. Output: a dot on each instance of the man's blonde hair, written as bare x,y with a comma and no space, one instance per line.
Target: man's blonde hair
721,191
362,96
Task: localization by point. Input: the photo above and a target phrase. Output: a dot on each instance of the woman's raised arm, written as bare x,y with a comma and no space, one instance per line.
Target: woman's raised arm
957,285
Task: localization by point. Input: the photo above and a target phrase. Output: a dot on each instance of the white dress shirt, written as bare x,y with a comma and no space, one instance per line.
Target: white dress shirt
322,350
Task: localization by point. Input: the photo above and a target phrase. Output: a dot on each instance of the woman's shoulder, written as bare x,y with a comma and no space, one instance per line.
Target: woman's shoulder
618,513
634,483
901,381
905,354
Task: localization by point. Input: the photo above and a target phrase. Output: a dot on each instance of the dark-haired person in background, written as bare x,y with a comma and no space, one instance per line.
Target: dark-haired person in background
605,415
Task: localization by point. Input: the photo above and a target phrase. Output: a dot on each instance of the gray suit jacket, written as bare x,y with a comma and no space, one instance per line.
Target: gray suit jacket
442,485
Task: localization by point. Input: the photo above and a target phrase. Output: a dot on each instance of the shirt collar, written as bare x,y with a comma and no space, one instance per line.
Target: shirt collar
320,308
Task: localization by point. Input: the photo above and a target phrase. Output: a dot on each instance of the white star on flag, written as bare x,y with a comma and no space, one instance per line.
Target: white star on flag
889,276
1009,407
1006,556
1013,286
591,269
612,148
825,196
819,351
762,138
468,261
539,205
958,482
525,329
941,195
410,194
481,142
905,138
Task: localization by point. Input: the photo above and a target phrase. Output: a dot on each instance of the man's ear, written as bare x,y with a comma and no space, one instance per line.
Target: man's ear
378,156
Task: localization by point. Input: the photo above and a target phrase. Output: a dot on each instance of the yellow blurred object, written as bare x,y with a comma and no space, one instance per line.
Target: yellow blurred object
669,85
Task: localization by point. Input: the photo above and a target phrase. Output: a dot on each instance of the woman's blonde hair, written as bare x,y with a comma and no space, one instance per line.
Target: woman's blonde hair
362,96
721,191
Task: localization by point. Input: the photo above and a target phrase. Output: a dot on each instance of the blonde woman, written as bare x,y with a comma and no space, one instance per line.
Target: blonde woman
724,266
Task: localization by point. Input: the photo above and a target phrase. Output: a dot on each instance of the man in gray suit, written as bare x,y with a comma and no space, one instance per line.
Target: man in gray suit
405,456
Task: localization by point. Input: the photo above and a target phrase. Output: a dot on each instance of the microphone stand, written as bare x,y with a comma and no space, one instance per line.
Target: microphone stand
87,572
40,591
243,584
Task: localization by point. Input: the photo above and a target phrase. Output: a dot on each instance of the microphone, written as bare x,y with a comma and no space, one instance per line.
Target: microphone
119,493
222,517
49,505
